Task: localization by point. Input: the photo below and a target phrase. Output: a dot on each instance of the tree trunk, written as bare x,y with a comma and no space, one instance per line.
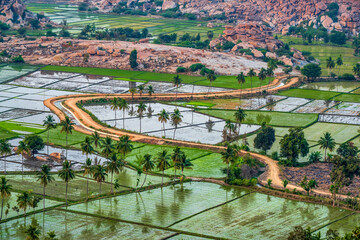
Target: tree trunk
66,145
140,124
124,119
115,117
87,189
2,207
112,174
192,93
66,190
44,198
22,166
162,178
227,172
164,129
144,180
240,93
174,133
175,170
48,141
325,155
5,165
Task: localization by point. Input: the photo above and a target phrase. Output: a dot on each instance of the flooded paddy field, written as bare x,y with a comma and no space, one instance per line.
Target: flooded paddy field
333,86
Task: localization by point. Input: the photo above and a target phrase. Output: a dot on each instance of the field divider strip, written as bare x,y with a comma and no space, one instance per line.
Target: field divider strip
331,222
142,224
213,207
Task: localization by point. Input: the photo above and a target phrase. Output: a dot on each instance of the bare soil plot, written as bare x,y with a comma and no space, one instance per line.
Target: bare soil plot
331,118
316,106
345,108
286,105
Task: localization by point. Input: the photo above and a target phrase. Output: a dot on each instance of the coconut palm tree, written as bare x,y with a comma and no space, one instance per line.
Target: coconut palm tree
175,157
5,192
5,149
272,64
150,90
339,63
132,91
251,74
86,146
176,119
88,168
184,163
24,201
32,232
124,146
163,162
356,69
21,149
124,106
114,105
229,126
67,126
229,156
327,142
141,108
99,175
114,166
45,178
163,117
141,89
95,138
241,80
66,174
240,116
176,82
262,77
330,64
211,78
269,74
107,147
49,123
147,165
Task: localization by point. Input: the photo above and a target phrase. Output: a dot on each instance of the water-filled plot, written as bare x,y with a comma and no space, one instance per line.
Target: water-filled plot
330,118
160,87
161,206
316,106
17,113
34,81
52,75
259,216
286,105
67,85
187,88
69,225
343,226
9,72
25,90
345,108
87,79
332,86
32,105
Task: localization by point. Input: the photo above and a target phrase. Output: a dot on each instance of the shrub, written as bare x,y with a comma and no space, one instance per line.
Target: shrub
228,45
347,77
18,59
181,69
196,66
338,37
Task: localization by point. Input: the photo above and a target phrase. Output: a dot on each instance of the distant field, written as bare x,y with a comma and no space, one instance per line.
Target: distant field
324,52
309,93
281,119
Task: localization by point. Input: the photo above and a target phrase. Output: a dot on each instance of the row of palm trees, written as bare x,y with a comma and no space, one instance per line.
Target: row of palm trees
330,63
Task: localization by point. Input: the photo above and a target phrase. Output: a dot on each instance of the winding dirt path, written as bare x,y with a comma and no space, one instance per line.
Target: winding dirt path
88,125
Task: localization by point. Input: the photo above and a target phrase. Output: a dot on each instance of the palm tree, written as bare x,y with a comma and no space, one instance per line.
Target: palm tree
176,119
32,232
95,138
124,146
5,191
66,174
163,163
141,108
24,201
132,91
240,116
251,74
141,89
147,165
114,166
262,77
184,163
150,90
86,147
21,149
87,167
229,126
163,117
330,64
49,123
241,80
67,127
272,64
114,105
327,142
123,105
175,157
211,77
269,74
229,156
5,149
176,82
107,147
45,178
339,63
99,175
356,69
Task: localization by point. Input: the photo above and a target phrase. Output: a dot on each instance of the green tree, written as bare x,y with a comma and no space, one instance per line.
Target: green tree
99,175
176,82
175,157
88,169
49,123
163,117
24,201
66,174
95,139
5,149
229,156
114,105
45,178
114,166
339,63
327,142
5,192
265,138
307,185
150,90
211,78
124,106
107,147
50,236
141,108
292,145
124,146
315,157
241,80
251,74
262,77
86,147
163,162
356,69
176,119
141,89
210,34
67,126
269,182
147,165
184,163
330,64
22,149
311,71
32,232
240,116
133,59
285,183
35,143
